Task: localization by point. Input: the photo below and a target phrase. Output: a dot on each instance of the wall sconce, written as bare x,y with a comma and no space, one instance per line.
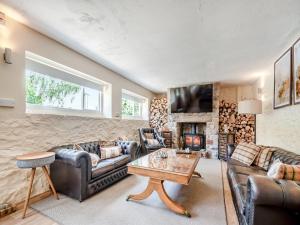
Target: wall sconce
7,56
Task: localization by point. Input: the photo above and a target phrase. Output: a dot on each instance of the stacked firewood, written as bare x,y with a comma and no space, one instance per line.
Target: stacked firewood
159,113
242,125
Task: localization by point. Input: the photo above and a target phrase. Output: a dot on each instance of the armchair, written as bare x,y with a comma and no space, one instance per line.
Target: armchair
147,147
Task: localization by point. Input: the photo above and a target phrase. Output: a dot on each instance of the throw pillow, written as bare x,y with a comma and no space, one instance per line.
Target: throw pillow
107,143
94,157
77,147
110,152
149,135
276,170
246,153
263,158
152,142
291,172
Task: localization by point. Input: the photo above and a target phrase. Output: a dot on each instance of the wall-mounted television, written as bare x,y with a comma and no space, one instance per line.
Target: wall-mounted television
192,99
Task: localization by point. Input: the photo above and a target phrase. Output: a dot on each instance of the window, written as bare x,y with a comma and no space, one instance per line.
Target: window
134,106
50,88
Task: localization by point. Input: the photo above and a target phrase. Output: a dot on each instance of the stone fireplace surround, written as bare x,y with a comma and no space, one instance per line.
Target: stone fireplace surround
211,120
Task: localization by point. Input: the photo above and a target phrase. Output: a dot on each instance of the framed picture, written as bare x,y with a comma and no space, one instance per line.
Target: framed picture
282,80
296,71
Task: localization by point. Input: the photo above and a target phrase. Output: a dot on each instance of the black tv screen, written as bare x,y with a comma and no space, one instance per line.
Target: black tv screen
192,99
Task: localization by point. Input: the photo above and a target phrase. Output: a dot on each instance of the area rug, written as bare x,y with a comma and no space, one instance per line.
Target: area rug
203,198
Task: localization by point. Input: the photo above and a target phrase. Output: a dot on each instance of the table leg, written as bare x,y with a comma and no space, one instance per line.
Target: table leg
197,174
50,182
29,192
143,195
157,185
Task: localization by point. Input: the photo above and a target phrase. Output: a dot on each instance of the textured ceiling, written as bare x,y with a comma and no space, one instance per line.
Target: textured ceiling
166,43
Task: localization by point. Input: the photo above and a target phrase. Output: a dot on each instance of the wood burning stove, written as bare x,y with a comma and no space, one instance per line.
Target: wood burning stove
194,141
193,136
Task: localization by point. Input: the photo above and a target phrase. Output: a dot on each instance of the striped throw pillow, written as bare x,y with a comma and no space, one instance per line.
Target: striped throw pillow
110,152
279,170
291,172
149,135
246,153
152,142
263,158
94,157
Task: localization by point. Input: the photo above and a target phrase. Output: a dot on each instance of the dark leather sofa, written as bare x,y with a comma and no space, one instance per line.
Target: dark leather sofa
72,173
261,200
146,147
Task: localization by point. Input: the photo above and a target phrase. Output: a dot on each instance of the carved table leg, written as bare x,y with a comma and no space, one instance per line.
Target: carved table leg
50,182
145,194
157,185
29,192
197,174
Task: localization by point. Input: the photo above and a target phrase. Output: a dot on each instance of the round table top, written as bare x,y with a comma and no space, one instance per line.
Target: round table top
35,155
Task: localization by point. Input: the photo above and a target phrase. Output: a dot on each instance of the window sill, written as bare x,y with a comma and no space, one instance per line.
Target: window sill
134,118
36,109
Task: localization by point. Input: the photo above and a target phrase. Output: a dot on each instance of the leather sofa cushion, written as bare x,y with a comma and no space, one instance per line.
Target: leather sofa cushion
103,167
119,161
243,168
107,165
154,147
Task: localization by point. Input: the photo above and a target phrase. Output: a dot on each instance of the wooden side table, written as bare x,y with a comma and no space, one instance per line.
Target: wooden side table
34,160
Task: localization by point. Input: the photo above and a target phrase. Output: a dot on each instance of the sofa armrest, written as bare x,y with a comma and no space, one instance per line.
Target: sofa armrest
268,191
128,147
71,172
73,157
272,201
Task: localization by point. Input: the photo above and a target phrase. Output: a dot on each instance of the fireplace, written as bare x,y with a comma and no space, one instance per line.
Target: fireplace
193,135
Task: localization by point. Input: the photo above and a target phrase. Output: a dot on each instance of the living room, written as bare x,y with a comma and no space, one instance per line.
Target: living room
192,104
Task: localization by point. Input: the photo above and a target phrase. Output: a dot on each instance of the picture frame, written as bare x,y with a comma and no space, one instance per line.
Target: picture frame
283,80
296,71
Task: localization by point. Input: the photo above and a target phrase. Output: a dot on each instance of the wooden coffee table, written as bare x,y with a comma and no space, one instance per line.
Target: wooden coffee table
178,168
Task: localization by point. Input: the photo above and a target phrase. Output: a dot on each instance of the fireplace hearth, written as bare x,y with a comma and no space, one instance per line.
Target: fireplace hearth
193,135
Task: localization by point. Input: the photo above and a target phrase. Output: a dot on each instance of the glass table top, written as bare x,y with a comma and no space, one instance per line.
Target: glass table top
176,163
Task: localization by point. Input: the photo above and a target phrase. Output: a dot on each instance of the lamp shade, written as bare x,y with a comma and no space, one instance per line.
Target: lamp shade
250,106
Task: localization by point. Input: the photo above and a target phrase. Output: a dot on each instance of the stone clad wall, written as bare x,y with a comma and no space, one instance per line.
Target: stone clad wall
41,133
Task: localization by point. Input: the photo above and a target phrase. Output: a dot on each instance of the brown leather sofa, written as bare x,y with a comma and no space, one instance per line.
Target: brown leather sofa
73,175
261,200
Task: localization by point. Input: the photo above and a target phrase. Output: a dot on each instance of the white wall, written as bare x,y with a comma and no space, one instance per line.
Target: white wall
22,133
277,127
21,38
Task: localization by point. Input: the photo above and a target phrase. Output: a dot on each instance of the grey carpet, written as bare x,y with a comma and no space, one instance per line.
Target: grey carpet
202,197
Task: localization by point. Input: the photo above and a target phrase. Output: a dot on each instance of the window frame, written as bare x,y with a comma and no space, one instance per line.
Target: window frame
41,109
144,106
